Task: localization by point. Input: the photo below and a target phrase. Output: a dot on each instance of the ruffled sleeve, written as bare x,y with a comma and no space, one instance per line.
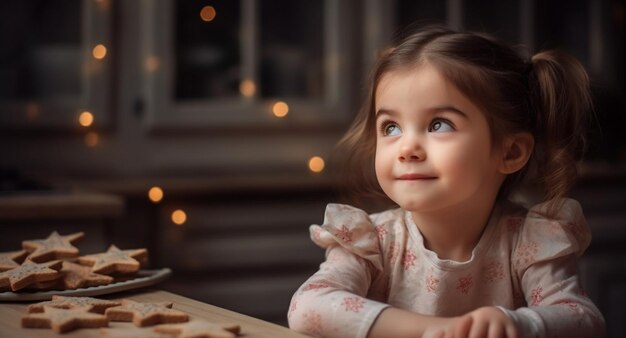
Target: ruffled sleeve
545,261
333,302
544,238
350,228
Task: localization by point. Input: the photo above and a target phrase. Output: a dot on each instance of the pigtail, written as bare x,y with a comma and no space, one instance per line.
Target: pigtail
561,101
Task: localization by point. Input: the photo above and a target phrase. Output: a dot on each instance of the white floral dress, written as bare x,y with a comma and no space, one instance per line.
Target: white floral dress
524,263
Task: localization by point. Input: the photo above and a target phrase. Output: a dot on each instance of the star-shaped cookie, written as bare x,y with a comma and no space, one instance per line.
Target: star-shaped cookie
200,329
115,260
61,302
63,320
11,260
76,276
29,273
133,332
53,247
145,314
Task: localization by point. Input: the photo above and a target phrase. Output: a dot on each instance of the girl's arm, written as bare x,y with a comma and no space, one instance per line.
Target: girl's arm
332,302
545,261
557,305
485,322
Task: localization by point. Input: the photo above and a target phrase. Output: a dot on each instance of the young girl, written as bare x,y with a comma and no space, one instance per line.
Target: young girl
453,124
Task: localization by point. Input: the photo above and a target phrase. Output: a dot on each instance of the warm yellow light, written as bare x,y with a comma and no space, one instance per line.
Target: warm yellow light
316,164
92,139
208,13
32,111
155,194
152,64
179,217
99,51
280,109
85,119
247,88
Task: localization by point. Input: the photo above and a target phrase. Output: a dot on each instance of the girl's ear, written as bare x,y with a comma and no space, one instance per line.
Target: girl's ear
516,151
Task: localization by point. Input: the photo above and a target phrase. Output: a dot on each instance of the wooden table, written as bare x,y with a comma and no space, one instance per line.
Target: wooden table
11,313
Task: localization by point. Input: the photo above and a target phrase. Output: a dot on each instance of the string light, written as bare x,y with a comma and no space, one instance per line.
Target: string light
280,109
155,194
316,164
32,111
85,119
152,64
247,88
99,51
92,139
179,217
208,13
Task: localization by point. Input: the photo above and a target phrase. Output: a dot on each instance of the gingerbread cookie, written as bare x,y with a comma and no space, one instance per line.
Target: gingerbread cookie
54,284
133,332
63,320
115,261
76,276
53,247
200,329
61,302
12,259
145,314
29,273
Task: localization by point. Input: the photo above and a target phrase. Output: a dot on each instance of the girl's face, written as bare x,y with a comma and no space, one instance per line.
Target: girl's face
433,145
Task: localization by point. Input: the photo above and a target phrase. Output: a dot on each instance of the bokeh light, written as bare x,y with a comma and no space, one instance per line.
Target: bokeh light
280,109
316,164
155,194
179,217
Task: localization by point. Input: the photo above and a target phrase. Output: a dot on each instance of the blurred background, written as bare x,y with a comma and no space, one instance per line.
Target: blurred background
204,130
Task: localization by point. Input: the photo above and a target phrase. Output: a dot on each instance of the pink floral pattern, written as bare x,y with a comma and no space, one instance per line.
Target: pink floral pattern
432,283
493,272
354,304
525,253
344,234
408,260
313,322
536,296
381,230
464,284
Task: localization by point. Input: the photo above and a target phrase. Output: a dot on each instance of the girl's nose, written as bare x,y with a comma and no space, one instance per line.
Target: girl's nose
412,150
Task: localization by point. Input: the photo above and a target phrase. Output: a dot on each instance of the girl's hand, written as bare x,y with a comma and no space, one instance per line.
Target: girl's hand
485,322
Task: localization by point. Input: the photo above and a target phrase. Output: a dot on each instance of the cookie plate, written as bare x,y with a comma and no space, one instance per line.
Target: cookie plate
142,279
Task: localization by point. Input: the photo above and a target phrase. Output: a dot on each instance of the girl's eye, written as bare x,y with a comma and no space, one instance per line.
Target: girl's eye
441,126
390,129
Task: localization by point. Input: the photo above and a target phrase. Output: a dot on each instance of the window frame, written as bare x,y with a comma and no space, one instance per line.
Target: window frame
95,83
163,112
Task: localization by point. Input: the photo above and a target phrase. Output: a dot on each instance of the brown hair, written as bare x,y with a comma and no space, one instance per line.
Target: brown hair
547,96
